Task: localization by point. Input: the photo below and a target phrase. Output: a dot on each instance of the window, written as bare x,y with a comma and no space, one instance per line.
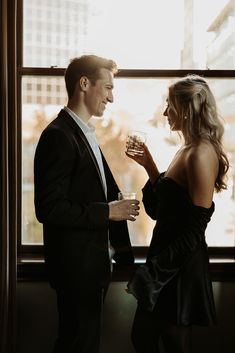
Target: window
152,46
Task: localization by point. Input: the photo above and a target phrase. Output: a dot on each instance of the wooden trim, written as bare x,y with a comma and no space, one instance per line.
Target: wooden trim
29,249
19,33
4,186
131,73
30,270
9,173
19,120
175,73
139,251
14,155
31,266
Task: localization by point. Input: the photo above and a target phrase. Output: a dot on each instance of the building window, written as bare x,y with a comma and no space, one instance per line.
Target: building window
192,36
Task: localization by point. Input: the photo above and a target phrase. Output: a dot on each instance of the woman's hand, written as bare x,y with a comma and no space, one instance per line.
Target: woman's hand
146,161
143,159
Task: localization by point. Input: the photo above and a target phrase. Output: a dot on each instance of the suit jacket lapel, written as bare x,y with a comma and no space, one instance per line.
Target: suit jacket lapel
81,135
112,187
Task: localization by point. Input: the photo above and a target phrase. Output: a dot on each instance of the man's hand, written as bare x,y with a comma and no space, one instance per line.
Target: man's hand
123,210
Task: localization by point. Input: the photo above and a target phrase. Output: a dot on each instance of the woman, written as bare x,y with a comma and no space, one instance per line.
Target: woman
173,288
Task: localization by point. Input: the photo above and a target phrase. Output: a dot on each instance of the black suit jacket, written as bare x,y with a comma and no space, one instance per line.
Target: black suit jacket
71,203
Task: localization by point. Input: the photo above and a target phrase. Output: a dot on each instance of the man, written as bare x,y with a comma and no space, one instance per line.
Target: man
83,226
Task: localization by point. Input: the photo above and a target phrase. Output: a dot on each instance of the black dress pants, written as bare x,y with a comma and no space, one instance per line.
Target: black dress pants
79,320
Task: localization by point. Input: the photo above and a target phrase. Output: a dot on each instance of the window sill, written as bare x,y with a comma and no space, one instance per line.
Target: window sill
32,268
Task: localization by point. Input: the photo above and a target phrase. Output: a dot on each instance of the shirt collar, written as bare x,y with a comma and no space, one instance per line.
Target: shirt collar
86,128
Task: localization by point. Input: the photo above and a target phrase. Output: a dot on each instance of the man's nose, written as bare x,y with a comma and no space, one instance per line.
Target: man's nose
110,97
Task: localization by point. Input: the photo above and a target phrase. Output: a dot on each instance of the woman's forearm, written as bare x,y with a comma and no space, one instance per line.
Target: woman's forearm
152,172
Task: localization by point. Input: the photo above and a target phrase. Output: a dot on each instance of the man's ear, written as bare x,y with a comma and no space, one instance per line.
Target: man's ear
84,83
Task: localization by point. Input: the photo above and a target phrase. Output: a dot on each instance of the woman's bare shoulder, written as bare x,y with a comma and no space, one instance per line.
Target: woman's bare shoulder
202,160
201,151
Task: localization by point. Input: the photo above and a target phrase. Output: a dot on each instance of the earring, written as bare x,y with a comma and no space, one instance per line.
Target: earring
185,117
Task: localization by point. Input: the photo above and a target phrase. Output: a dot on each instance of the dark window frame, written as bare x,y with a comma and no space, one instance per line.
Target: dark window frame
36,251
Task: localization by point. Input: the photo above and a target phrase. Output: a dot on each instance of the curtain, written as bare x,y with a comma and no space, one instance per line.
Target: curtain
8,176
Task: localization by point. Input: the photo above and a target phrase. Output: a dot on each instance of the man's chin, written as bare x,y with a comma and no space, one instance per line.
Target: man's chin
100,117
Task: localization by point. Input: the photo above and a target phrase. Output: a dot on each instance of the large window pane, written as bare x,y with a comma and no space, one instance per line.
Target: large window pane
167,34
138,104
42,97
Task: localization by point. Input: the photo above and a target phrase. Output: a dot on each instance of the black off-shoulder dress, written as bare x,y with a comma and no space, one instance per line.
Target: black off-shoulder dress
175,283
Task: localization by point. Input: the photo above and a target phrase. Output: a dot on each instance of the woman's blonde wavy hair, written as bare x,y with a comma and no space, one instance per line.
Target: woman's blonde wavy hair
192,100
